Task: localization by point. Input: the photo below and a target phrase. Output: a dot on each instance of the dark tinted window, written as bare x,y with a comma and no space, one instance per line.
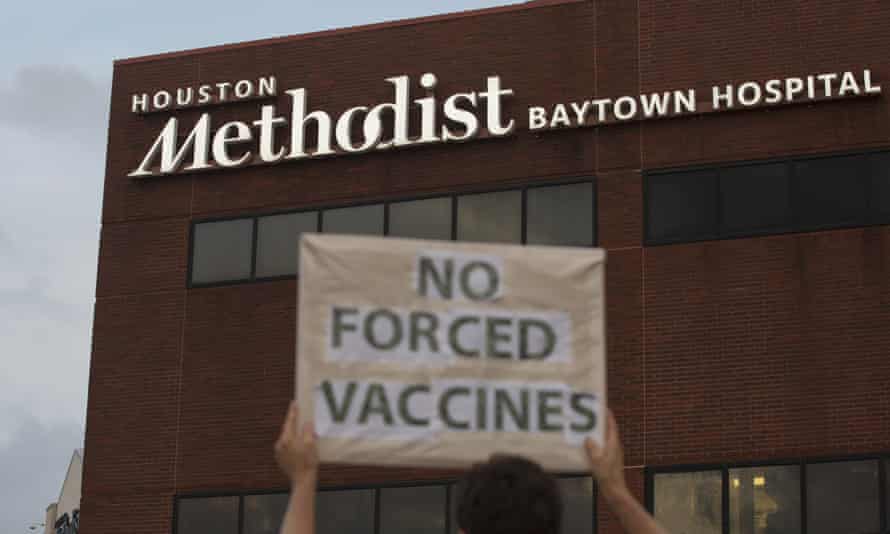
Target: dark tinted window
769,198
577,499
278,237
263,513
764,500
681,206
413,510
560,215
689,502
344,512
830,192
455,497
354,220
842,497
421,219
490,217
755,199
222,251
213,515
879,169
887,493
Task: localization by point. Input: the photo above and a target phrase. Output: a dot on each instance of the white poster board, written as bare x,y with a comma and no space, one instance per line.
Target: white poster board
439,354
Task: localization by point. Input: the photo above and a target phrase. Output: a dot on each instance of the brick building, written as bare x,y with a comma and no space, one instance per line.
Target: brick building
749,252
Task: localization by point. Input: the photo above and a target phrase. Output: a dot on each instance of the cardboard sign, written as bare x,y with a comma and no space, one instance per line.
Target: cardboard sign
439,354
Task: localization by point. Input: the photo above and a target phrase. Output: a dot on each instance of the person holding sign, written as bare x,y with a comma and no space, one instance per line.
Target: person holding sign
505,495
438,354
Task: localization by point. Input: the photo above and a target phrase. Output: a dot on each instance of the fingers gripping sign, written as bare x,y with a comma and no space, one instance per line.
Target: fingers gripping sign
418,353
607,462
607,466
295,449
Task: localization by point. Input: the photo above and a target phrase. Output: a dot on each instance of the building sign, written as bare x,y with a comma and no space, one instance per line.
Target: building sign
405,121
439,354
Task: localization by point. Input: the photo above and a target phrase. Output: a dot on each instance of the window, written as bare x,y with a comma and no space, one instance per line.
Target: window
490,217
377,510
764,500
218,515
413,510
222,251
278,237
454,498
843,497
689,502
887,493
263,513
366,220
796,498
345,512
421,219
578,505
830,192
681,206
267,246
879,171
794,195
560,215
756,199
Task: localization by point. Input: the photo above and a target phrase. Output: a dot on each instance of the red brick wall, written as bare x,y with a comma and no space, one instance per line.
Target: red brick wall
747,349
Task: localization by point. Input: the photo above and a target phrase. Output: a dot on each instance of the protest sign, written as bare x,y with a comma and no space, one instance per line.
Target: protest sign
439,354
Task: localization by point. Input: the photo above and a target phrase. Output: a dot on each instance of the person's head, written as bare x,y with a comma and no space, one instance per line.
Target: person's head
508,495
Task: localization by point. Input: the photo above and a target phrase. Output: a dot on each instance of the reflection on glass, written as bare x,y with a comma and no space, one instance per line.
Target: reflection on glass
344,512
689,503
490,217
218,515
222,251
764,500
560,215
415,510
263,513
421,219
278,237
362,220
577,499
842,497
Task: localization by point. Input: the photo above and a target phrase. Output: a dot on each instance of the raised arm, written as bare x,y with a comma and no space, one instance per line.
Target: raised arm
607,465
297,456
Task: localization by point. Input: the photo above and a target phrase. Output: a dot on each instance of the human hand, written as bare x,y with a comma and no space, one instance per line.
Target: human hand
607,462
295,450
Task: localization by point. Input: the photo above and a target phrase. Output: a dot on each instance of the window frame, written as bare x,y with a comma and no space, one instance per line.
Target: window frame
256,238
447,483
452,206
883,460
863,219
795,227
452,195
542,185
712,235
191,253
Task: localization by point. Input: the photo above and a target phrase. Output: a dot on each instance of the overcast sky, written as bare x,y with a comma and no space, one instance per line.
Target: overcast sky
55,73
